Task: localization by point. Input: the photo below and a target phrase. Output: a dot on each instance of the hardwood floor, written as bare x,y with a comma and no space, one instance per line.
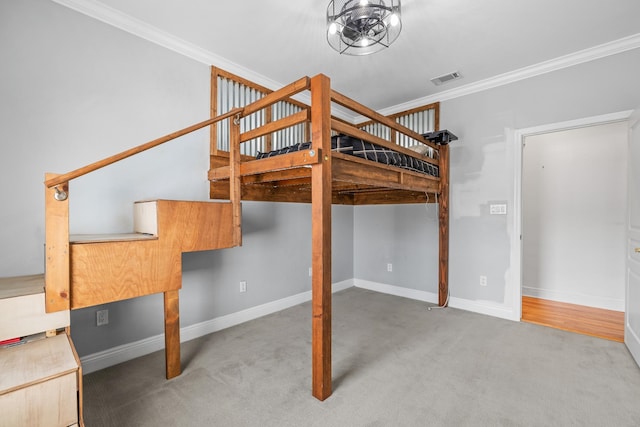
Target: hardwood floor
596,322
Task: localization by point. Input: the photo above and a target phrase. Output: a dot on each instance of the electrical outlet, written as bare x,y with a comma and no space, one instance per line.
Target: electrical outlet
243,286
483,280
389,267
102,317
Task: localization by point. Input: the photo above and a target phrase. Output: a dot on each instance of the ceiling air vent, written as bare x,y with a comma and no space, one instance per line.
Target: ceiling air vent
445,78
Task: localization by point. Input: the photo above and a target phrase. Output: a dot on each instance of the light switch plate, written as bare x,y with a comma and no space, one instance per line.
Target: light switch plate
498,209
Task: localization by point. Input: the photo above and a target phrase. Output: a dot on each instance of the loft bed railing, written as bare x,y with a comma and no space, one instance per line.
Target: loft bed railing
260,135
231,91
408,136
422,120
303,117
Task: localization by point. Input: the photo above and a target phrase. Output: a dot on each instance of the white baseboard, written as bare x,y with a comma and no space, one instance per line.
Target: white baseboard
489,308
397,291
113,356
575,298
482,307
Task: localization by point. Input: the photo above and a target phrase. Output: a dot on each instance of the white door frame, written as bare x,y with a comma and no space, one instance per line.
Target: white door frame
519,136
631,338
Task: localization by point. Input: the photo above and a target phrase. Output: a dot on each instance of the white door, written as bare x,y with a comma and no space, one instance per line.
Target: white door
632,312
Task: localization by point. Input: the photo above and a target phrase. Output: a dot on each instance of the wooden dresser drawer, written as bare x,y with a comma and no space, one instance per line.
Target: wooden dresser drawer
39,383
22,310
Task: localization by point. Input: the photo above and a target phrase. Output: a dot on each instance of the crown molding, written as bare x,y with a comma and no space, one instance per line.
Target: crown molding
129,24
115,18
566,61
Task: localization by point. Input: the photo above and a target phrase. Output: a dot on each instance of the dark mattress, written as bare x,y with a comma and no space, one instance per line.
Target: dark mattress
365,150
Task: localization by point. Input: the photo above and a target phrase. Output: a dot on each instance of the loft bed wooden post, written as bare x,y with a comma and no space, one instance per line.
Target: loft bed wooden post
172,333
443,209
235,179
321,237
57,264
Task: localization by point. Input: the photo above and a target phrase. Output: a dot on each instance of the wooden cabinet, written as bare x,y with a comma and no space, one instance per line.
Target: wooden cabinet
39,383
41,378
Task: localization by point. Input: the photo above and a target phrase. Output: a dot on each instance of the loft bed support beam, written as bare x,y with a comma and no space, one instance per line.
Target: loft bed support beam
235,179
57,278
443,216
321,237
172,333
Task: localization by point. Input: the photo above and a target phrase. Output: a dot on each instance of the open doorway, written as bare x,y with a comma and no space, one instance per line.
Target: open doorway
573,213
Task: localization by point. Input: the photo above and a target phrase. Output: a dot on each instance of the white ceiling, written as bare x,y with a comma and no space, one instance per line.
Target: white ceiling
283,40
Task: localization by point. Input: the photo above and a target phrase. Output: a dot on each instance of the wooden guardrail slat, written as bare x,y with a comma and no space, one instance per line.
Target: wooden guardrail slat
292,120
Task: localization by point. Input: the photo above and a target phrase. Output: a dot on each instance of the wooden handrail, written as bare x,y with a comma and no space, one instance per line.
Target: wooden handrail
349,103
60,179
281,94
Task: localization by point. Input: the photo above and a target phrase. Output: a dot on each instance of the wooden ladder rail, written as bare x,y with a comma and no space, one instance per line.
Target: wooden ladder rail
57,244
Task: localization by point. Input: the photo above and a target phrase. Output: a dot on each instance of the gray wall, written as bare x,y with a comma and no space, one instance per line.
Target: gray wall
482,165
482,172
73,91
405,236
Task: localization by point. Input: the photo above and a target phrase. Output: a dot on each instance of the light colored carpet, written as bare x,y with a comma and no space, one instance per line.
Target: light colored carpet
394,364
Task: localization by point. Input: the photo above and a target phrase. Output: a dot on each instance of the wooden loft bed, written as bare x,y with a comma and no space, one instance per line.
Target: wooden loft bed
355,181
84,271
316,174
